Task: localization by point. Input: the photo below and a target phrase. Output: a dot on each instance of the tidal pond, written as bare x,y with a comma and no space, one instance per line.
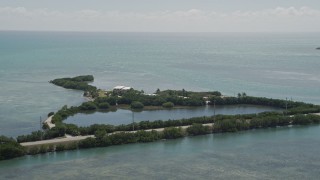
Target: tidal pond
122,116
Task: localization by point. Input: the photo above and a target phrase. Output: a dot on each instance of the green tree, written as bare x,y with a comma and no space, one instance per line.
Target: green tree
60,147
168,105
172,133
88,106
100,133
9,148
88,143
43,149
104,105
198,129
72,129
50,114
61,129
137,105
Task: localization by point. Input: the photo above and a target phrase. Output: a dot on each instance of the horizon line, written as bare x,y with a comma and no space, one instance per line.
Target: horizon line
79,31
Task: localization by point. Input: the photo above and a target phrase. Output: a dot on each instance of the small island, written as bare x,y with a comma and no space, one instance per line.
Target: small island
318,48
59,136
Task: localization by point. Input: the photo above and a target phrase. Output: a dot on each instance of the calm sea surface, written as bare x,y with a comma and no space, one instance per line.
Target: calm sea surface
260,64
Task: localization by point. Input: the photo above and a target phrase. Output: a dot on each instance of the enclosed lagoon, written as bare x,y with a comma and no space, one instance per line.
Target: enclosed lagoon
122,116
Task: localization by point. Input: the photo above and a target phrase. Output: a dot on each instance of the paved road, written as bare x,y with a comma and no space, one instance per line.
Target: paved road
183,127
69,138
56,141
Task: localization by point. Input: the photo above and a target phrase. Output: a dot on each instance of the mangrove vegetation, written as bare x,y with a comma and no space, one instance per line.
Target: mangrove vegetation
78,83
173,130
294,113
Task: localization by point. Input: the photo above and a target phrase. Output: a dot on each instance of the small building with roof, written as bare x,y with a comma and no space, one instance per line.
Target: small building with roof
121,89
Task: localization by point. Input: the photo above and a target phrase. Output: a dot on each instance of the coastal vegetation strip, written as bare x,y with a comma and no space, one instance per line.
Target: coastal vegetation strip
9,148
69,139
61,129
102,138
78,83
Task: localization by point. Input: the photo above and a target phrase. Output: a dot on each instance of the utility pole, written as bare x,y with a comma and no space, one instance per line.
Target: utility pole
286,105
132,120
214,110
40,123
41,126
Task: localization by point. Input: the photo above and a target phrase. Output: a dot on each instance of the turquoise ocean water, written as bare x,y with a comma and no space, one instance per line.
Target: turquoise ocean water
261,64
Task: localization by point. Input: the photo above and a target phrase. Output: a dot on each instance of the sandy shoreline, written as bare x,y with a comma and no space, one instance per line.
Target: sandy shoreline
49,122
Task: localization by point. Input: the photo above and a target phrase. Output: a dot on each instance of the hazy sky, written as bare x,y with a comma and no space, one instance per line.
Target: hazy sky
161,15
